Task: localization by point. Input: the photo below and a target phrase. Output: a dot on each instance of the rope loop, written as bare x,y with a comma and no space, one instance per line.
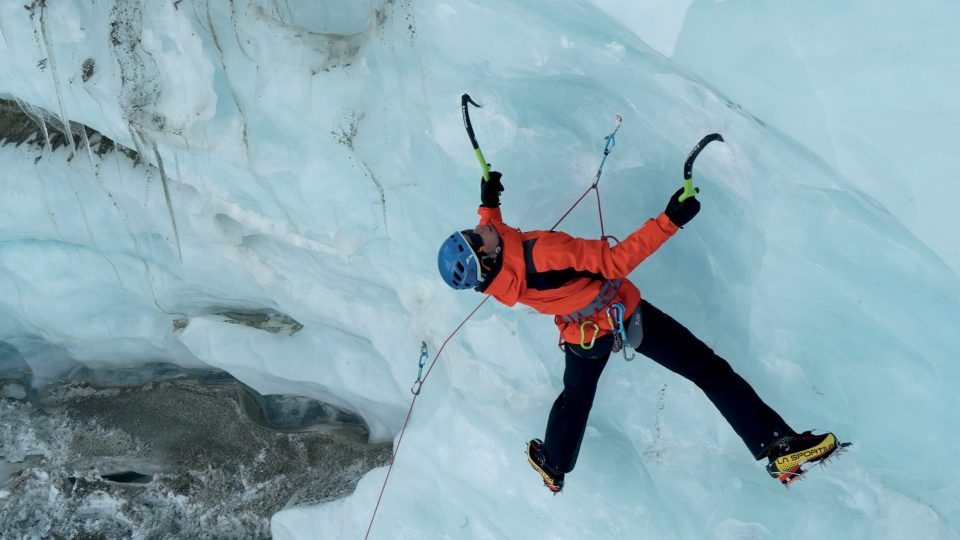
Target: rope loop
610,237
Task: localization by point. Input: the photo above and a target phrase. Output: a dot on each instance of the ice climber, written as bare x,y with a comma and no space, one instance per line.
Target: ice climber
583,284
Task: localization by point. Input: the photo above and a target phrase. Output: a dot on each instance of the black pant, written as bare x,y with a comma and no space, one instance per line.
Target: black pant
668,343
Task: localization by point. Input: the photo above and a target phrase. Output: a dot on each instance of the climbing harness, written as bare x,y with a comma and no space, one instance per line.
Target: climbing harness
415,389
584,315
608,291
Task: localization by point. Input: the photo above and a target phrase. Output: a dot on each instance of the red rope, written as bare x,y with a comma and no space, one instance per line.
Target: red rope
410,411
600,212
567,213
596,187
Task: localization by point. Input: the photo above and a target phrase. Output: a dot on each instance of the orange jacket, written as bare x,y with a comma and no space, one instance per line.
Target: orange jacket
579,266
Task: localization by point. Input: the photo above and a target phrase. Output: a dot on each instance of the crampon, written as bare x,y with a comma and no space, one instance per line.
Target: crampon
551,479
793,456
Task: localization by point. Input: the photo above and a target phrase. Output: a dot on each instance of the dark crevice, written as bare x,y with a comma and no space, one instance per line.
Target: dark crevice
21,123
128,477
186,451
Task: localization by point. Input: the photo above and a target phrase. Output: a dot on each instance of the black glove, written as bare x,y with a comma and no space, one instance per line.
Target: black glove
490,190
680,213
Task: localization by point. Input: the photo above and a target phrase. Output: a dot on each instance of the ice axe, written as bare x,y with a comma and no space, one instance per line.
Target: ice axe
688,189
464,101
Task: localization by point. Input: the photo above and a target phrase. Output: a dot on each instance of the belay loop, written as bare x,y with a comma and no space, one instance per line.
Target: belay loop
423,360
615,318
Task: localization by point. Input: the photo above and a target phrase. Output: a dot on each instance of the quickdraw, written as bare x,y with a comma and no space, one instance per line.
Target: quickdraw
423,360
583,335
615,318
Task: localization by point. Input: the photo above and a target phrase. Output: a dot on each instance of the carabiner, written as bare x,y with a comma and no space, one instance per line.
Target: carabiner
616,324
415,389
615,319
583,335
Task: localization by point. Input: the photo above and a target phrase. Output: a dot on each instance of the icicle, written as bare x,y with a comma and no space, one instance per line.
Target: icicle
46,134
51,62
86,144
166,195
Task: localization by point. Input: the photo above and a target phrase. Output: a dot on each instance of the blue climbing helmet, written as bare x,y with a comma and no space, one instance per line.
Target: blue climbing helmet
458,261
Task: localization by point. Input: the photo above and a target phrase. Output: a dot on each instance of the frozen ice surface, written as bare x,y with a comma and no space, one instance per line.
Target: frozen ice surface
306,162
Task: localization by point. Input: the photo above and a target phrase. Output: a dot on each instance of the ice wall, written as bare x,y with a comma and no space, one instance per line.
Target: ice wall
308,161
868,88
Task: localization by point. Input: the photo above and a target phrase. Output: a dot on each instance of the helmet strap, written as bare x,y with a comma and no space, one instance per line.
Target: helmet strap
491,256
488,260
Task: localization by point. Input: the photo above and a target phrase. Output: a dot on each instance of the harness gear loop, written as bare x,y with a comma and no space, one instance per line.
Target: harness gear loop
423,359
583,337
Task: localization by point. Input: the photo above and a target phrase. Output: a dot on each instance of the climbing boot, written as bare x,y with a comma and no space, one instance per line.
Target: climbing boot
792,455
538,460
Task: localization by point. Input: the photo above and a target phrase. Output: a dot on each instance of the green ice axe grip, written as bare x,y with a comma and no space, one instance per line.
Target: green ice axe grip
464,101
688,189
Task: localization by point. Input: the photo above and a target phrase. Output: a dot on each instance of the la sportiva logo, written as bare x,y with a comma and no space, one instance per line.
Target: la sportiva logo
799,456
